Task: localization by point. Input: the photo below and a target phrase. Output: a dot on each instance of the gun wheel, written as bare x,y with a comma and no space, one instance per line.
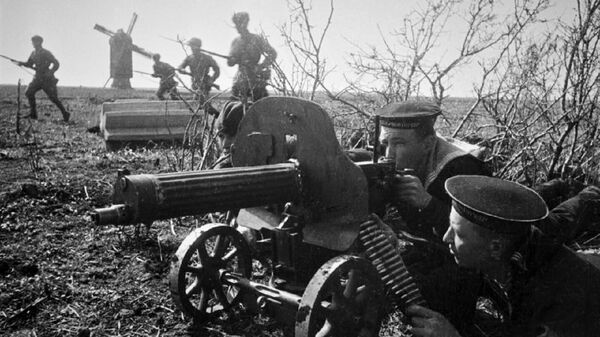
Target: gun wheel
344,298
200,259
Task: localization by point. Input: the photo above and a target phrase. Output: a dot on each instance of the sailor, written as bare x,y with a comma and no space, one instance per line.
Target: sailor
541,287
407,131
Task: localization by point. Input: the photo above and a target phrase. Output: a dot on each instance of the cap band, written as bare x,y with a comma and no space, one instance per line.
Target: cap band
494,224
399,123
387,132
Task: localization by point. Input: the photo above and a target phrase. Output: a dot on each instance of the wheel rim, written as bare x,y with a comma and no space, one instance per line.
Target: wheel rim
344,298
195,274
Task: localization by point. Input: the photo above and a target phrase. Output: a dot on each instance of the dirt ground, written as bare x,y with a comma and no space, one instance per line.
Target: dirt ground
60,275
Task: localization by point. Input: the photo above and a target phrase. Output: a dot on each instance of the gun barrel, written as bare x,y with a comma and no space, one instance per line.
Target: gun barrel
145,198
115,214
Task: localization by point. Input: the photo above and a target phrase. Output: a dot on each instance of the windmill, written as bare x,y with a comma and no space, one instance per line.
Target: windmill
121,48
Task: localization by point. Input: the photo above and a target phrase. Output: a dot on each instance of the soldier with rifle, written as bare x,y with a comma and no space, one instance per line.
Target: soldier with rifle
200,66
165,72
45,65
250,82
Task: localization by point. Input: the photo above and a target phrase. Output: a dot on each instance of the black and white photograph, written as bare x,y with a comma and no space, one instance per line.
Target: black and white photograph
300,168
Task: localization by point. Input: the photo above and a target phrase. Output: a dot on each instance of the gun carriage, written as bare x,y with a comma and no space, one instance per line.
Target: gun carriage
332,267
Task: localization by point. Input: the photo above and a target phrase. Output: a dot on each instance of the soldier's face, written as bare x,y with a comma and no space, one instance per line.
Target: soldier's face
469,249
225,141
241,27
404,147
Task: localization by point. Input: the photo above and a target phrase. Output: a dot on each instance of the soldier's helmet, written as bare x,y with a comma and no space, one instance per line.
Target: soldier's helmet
194,42
240,18
156,57
37,39
230,118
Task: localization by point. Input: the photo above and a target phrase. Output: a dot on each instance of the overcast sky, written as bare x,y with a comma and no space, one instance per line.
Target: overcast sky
67,28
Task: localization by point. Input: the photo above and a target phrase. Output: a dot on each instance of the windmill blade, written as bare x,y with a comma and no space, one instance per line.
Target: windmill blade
132,23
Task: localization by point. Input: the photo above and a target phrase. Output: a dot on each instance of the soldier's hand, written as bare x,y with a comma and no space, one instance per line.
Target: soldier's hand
408,189
426,322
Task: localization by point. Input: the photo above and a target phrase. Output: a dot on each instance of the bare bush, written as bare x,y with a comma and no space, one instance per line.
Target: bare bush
409,64
305,44
539,103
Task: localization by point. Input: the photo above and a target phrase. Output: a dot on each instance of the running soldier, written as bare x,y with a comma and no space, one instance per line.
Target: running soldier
251,79
165,72
45,65
200,66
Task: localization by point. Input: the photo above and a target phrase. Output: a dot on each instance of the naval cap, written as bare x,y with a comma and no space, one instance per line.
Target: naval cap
499,205
407,114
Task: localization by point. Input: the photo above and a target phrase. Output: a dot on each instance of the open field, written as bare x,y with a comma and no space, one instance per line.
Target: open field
59,274
80,280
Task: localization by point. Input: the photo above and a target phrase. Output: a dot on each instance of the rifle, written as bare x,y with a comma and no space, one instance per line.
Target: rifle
18,63
214,54
143,73
148,74
202,50
213,85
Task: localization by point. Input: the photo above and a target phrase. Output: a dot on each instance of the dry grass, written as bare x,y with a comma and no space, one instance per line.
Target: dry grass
74,278
83,280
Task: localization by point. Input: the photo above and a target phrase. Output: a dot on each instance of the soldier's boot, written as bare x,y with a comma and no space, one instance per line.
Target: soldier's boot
174,94
32,107
66,115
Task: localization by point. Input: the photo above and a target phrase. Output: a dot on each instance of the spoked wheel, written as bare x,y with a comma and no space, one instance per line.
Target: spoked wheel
200,259
345,297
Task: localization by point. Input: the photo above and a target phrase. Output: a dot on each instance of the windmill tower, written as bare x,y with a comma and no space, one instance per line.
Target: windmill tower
121,49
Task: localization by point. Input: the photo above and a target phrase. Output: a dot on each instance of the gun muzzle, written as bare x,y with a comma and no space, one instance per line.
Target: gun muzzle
115,214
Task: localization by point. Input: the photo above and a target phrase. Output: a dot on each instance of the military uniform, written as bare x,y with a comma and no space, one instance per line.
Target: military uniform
552,292
446,287
251,79
446,160
166,73
227,125
40,60
574,216
200,65
443,161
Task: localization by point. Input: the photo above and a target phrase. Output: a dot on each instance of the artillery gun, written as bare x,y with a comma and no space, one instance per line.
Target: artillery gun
331,264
